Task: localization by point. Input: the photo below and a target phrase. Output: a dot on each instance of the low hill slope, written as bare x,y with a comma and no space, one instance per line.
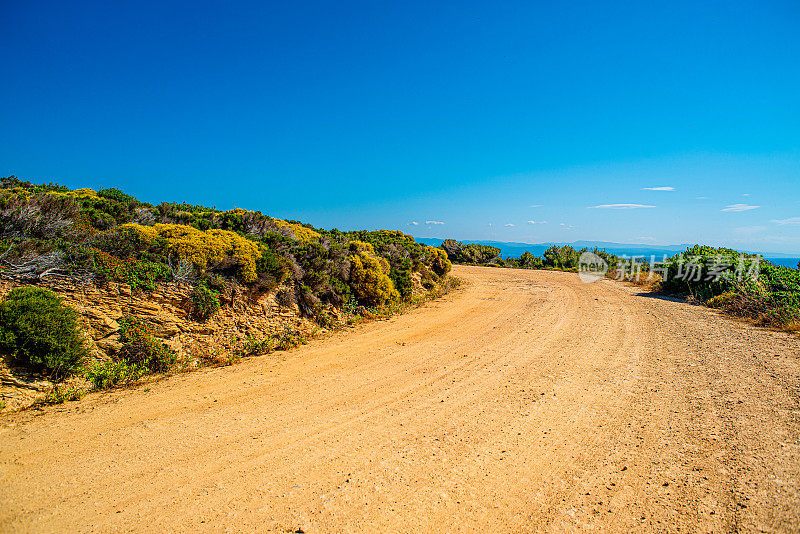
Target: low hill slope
206,284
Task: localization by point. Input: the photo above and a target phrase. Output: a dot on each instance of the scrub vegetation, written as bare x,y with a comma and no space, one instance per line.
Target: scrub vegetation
50,232
737,283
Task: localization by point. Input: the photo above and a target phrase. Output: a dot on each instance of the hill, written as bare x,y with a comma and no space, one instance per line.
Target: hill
174,286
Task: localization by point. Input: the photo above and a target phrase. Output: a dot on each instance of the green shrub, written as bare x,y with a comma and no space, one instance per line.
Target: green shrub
233,220
139,274
146,274
289,340
778,278
121,242
273,265
205,301
37,329
470,253
113,193
525,261
691,272
61,394
105,375
256,347
564,257
139,346
401,277
141,353
740,284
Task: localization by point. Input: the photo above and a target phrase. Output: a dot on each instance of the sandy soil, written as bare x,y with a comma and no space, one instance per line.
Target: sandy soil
527,401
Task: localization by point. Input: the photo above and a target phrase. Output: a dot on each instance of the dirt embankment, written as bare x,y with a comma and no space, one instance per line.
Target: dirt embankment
527,401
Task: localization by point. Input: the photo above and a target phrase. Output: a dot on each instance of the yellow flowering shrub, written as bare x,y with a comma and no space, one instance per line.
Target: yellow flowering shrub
202,248
439,262
361,246
148,234
244,251
14,193
369,275
301,233
83,192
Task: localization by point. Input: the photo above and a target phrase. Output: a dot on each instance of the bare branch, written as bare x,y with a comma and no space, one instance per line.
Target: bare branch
183,271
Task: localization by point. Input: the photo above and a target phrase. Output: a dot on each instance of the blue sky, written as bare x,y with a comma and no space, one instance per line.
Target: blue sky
378,115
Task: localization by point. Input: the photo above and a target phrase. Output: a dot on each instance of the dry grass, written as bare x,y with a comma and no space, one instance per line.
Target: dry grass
643,280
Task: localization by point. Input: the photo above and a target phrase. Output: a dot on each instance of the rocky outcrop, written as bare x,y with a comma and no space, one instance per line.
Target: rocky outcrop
168,311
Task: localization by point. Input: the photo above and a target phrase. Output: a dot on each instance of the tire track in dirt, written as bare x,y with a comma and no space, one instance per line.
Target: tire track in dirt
527,401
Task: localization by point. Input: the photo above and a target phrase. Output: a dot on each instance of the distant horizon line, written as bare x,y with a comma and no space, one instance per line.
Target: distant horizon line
619,245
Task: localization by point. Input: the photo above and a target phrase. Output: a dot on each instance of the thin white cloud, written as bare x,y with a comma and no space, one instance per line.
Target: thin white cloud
415,223
434,222
745,194
621,206
535,205
510,224
537,222
646,238
703,198
739,207
660,188
790,220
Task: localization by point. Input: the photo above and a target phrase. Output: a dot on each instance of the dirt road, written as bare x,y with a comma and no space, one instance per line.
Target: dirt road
526,401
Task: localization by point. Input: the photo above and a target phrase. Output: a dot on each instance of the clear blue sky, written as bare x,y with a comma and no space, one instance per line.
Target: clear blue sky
377,115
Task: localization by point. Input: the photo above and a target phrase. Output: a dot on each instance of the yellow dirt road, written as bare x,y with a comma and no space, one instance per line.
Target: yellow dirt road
526,401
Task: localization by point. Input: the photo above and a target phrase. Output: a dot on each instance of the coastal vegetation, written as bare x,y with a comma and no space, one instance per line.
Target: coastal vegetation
38,330
740,284
92,237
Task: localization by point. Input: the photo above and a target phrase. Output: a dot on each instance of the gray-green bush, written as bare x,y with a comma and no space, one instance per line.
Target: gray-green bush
38,330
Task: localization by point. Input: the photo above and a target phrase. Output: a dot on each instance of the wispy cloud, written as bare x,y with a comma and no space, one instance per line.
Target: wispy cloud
537,222
621,206
565,226
536,205
510,224
739,207
790,220
415,223
660,188
646,238
703,198
434,222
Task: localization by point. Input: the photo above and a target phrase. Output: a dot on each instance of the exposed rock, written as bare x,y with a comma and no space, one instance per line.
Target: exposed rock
109,345
167,310
164,326
101,324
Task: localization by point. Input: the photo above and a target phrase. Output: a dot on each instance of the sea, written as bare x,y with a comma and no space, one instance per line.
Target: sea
786,262
642,251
